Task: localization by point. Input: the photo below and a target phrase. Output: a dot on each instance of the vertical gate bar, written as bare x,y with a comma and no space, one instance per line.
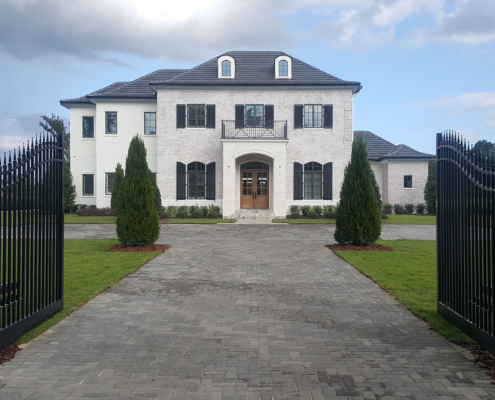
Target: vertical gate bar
17,281
9,246
48,285
439,225
37,227
4,239
492,243
485,250
488,245
24,227
13,211
43,216
60,231
32,276
53,217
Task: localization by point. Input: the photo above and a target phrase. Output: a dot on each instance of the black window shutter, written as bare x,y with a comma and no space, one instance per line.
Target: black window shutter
327,181
181,116
210,181
327,116
298,117
210,116
298,181
181,181
239,116
269,116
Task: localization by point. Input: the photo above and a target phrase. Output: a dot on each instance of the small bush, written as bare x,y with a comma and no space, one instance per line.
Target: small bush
184,210
387,208
216,209
318,210
204,210
420,208
399,209
328,208
295,215
330,214
82,206
182,214
197,214
305,210
96,212
312,214
165,214
212,214
409,208
193,208
92,206
294,209
384,216
173,211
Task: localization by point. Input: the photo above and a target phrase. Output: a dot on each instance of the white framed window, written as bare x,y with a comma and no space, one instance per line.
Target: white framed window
88,125
150,123
312,116
88,185
226,67
109,178
283,67
110,122
408,183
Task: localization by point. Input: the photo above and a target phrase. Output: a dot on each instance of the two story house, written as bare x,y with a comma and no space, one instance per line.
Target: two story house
244,130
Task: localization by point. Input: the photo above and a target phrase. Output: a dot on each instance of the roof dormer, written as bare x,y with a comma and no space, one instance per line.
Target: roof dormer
283,67
226,67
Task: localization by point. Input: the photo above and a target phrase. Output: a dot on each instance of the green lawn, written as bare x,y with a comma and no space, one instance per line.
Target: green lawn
197,221
304,221
409,273
411,219
76,219
89,270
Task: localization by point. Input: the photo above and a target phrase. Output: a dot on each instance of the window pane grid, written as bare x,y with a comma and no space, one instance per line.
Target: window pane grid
313,181
225,68
313,116
109,177
88,127
283,68
196,180
150,123
408,181
88,185
196,115
111,123
254,115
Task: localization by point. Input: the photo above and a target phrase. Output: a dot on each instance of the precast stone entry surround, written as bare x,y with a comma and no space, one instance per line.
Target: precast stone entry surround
243,312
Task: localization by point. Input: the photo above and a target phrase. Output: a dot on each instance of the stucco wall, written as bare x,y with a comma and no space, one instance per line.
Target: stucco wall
378,171
396,193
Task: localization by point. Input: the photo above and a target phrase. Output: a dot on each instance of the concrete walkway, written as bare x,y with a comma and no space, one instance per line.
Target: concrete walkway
389,232
243,312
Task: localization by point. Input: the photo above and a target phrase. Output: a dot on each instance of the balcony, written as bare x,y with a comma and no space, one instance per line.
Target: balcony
239,130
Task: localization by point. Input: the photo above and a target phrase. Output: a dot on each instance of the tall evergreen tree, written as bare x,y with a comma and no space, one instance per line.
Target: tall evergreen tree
358,218
137,222
431,188
69,190
54,125
376,188
117,182
158,196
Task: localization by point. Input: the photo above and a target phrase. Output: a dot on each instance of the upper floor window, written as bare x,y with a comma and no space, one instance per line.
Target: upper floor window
407,181
88,127
150,123
226,68
196,115
312,116
283,68
254,115
111,122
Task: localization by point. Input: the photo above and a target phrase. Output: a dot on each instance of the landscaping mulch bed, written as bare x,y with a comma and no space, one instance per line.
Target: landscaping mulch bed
484,359
350,247
120,248
7,352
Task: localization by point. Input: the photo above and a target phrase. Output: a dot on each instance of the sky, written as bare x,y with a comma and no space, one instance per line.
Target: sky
425,65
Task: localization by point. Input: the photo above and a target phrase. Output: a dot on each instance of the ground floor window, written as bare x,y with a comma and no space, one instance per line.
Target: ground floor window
407,181
88,185
312,181
196,180
109,177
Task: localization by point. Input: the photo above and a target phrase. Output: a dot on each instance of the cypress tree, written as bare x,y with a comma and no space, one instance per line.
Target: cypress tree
156,191
376,188
431,188
358,218
117,182
137,222
69,190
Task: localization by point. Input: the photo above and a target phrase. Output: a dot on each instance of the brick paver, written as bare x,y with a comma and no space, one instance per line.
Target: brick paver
243,312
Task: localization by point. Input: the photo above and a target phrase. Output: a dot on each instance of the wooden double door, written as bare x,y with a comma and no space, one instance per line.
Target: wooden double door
254,188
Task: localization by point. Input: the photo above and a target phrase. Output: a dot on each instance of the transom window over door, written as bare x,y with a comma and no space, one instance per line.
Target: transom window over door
225,68
196,115
312,116
312,181
196,180
254,115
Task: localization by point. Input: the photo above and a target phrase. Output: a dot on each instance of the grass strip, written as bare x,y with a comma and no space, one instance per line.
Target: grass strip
413,219
304,221
409,273
197,221
89,270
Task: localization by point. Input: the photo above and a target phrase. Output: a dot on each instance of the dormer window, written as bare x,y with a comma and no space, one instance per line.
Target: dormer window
226,67
283,67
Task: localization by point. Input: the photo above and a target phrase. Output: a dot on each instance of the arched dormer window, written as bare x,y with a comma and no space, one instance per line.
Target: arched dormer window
226,67
283,67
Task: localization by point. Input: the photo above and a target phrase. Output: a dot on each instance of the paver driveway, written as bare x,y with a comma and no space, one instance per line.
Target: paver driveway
243,312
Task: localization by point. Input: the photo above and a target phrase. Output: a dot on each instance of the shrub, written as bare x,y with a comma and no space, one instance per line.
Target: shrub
215,208
358,219
193,208
137,223
329,214
305,209
328,208
387,208
96,212
318,210
182,214
117,182
184,210
312,214
384,216
212,214
431,188
399,209
295,215
172,210
156,191
69,190
165,214
204,210
82,206
420,208
197,214
409,208
295,209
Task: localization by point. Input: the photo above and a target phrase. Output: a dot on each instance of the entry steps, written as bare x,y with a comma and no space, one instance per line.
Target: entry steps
254,213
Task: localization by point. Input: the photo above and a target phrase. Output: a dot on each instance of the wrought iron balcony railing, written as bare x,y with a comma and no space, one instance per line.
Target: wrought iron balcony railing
269,130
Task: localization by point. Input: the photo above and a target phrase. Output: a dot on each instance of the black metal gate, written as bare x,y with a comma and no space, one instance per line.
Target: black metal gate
465,237
32,236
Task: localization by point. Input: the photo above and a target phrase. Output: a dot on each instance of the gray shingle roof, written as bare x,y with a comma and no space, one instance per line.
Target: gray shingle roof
381,149
257,68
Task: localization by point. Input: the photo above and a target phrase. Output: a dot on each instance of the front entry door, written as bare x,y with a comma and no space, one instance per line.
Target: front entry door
254,189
